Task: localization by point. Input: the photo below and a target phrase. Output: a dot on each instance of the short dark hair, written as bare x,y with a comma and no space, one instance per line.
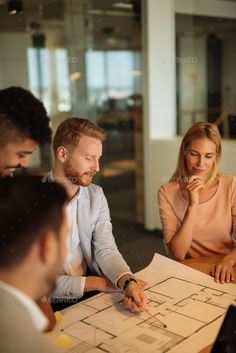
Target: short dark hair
22,114
29,207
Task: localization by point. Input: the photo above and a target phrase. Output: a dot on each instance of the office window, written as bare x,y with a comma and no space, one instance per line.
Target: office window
206,72
48,73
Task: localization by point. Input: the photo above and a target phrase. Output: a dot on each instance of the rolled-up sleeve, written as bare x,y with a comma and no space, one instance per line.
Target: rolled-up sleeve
169,221
69,287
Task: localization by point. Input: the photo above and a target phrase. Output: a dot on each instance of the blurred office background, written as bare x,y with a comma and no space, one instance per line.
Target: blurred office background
142,70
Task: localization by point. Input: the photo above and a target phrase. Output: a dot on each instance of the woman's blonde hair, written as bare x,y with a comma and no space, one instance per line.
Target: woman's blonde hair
196,131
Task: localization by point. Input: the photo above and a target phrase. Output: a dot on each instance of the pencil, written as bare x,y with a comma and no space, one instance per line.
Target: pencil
154,317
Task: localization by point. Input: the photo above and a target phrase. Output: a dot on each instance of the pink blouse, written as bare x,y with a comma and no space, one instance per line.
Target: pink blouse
215,223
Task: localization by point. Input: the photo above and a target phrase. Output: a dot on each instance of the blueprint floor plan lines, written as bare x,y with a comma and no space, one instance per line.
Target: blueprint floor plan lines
190,303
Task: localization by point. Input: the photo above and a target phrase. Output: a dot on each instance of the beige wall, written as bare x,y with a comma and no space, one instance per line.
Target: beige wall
13,59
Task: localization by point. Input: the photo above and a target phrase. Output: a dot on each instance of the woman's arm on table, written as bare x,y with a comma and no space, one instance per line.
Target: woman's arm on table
224,270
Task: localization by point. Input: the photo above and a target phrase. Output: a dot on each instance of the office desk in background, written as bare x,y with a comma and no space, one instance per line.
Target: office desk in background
204,265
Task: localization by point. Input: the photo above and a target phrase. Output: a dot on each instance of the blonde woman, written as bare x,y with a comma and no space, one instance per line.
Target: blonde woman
198,205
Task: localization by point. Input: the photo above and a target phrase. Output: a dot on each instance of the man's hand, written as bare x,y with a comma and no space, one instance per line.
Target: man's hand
135,299
98,283
142,284
224,271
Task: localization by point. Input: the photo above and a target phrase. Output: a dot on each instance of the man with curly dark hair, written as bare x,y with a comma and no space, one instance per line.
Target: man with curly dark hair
24,125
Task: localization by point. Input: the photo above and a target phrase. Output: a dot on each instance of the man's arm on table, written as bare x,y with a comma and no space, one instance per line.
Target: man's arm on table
76,286
111,262
134,298
108,260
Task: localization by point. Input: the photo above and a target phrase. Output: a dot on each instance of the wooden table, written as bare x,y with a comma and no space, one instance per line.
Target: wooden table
204,265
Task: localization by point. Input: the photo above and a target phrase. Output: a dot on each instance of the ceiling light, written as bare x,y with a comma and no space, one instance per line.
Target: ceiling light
136,73
75,76
15,7
123,5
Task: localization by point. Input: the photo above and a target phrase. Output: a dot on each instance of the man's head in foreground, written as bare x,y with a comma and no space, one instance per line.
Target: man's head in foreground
77,147
24,125
33,233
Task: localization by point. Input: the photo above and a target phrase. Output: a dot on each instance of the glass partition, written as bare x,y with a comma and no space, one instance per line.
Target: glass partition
83,58
206,72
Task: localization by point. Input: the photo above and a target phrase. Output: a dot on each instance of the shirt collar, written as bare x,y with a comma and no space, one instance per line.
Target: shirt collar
39,319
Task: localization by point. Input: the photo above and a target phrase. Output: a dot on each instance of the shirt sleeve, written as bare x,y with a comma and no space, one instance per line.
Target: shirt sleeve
106,253
169,221
69,287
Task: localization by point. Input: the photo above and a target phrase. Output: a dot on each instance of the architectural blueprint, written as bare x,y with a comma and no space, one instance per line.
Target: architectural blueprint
189,302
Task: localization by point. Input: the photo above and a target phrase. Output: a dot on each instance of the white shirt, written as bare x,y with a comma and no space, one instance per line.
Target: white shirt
39,319
75,264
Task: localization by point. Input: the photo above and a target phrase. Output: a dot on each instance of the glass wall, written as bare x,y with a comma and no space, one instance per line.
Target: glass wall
206,72
83,58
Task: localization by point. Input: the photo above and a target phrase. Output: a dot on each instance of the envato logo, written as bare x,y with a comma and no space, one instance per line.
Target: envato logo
179,179
55,59
181,60
68,300
49,179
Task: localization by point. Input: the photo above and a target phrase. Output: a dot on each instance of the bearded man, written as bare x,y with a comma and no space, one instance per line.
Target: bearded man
93,262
